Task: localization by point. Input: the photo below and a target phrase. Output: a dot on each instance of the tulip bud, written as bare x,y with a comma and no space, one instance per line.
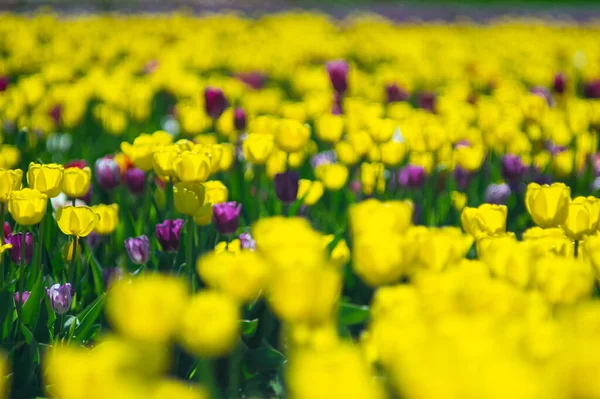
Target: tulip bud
512,166
592,89
497,194
138,249
395,93
412,176
16,240
548,205
7,230
226,216
338,74
108,173
168,234
76,181
4,82
56,113
239,119
247,242
214,102
462,177
426,100
60,297
560,82
22,298
286,186
135,179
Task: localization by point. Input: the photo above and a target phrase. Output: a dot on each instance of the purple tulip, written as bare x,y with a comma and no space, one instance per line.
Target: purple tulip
247,242
595,186
412,176
544,93
592,89
111,275
286,186
497,194
61,297
395,93
338,74
7,230
239,119
512,167
255,80
108,173
138,249
24,297
426,100
226,216
214,102
168,234
323,157
16,240
462,177
56,113
4,82
560,83
135,179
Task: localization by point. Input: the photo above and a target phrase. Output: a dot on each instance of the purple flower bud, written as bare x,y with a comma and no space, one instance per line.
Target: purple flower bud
336,108
111,275
462,177
7,231
4,82
239,119
497,194
214,102
286,186
25,297
338,74
426,100
108,173
168,234
412,176
592,89
16,240
138,249
226,216
56,113
255,80
93,240
544,93
323,157
247,242
60,297
395,93
560,83
512,167
355,186
135,179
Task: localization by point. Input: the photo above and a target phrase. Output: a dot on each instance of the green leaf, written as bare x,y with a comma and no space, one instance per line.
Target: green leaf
351,314
249,327
7,306
86,318
31,308
96,271
263,359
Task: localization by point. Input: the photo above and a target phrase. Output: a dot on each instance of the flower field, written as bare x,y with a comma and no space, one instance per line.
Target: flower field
296,207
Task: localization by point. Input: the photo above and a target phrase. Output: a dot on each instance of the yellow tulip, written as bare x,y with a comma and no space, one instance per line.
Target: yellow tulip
333,175
291,135
27,206
277,163
469,158
258,147
392,153
459,200
163,160
361,141
340,254
487,219
346,154
582,218
215,192
141,151
296,159
547,205
76,181
10,180
108,218
188,197
46,178
203,216
192,167
76,220
309,191
382,130
330,128
227,156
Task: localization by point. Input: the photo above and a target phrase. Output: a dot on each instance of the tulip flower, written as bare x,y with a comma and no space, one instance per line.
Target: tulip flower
46,178
108,218
189,197
22,298
286,186
27,206
10,180
497,193
309,191
76,221
338,74
582,217
257,148
61,297
395,93
485,220
135,179
193,167
560,83
16,252
76,181
214,102
164,160
138,249
107,172
239,119
512,166
547,205
333,176
247,242
226,216
215,192
412,176
291,136
168,234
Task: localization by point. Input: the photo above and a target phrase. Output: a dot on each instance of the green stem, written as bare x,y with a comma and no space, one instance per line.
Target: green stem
189,251
206,375
73,264
169,194
40,245
2,256
21,281
235,360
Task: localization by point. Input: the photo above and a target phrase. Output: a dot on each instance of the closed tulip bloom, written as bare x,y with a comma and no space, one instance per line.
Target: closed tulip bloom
46,178
392,153
338,74
168,234
395,93
497,194
226,216
258,147
591,251
164,160
135,180
309,191
108,218
547,205
22,298
193,167
215,192
16,240
346,154
286,186
10,180
487,219
330,128
107,172
247,242
61,297
412,176
512,166
469,158
142,150
239,119
138,249
76,181
27,206
582,218
204,216
291,135
76,220
188,197
214,102
560,83
334,176
382,130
